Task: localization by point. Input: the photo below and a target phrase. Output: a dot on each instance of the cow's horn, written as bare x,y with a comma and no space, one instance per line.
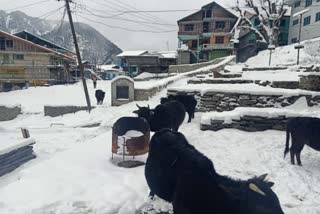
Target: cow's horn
138,106
262,177
148,106
254,188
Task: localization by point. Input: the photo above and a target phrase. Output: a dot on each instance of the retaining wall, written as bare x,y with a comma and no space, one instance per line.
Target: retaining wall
192,67
55,111
9,113
223,101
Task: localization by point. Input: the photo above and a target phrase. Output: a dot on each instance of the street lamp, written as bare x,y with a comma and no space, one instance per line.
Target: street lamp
271,46
299,46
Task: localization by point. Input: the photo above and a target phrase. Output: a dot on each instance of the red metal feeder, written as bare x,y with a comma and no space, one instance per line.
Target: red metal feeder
130,136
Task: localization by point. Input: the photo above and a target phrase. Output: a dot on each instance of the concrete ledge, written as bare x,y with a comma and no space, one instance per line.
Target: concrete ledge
55,111
9,113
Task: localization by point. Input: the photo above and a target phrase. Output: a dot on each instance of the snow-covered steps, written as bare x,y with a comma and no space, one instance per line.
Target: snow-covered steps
249,119
12,155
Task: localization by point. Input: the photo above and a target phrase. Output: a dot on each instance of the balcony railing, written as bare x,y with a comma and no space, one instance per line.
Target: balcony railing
216,46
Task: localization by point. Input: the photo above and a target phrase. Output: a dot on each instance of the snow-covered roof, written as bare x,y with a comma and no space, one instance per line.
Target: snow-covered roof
300,12
108,67
169,54
132,53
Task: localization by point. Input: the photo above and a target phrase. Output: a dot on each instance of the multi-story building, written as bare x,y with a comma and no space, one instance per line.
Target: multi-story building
310,23
207,32
22,61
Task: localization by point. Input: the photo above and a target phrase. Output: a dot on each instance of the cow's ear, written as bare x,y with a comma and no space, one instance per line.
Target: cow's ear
151,113
135,112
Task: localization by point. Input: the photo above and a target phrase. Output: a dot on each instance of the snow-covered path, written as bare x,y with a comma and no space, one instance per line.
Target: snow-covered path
74,172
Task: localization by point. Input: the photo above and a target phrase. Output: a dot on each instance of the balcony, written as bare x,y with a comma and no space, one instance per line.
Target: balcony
216,46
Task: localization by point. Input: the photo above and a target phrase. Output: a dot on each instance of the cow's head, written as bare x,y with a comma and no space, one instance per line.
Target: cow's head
144,112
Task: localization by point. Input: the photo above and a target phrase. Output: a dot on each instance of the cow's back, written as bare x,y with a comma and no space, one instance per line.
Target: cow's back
168,115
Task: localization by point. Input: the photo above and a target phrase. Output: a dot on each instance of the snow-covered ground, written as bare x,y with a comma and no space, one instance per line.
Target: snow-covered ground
74,173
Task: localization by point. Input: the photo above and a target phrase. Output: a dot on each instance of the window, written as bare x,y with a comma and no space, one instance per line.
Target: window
9,44
256,22
295,22
205,27
220,24
122,92
188,27
219,40
297,4
6,59
317,16
208,13
306,20
18,56
2,43
308,3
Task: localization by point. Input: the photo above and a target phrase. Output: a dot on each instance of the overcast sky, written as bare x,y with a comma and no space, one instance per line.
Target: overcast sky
126,40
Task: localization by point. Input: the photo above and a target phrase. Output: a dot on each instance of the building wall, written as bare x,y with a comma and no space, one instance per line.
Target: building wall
309,31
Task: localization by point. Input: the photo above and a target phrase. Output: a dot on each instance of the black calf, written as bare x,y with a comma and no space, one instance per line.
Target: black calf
99,96
304,131
188,101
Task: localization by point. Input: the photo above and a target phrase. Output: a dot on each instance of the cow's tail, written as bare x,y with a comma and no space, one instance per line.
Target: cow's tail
286,150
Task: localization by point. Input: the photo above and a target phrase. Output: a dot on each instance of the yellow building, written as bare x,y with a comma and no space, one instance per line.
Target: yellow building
23,62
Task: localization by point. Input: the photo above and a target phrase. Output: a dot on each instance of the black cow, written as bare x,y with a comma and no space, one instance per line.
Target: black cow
178,173
188,101
168,115
99,96
303,130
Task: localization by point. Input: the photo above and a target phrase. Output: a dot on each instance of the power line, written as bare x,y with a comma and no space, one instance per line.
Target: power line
123,28
129,20
140,16
28,5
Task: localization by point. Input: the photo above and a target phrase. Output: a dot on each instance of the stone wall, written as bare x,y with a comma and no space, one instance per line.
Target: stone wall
9,113
219,81
222,101
263,68
55,111
145,94
11,160
249,123
192,67
310,82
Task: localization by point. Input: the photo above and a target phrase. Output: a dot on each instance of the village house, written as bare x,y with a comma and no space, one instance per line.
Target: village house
137,62
108,72
23,62
207,32
310,23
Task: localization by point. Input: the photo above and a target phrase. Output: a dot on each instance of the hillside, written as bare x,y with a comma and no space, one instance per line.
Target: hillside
94,46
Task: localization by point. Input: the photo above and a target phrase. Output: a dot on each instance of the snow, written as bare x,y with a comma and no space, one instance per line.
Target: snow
133,134
121,77
74,172
169,54
131,53
300,12
300,108
287,55
242,88
146,75
10,143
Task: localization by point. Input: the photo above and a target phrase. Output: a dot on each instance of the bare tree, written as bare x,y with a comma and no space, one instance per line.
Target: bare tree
269,13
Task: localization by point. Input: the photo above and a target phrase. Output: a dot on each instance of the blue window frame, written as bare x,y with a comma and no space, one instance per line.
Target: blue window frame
306,20
297,4
308,3
317,16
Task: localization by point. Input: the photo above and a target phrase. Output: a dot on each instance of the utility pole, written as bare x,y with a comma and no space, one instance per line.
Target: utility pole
78,55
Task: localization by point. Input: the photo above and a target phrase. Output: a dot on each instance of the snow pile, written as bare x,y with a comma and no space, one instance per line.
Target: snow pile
287,55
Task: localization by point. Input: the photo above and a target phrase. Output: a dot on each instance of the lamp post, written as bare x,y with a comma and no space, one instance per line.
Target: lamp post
271,46
299,46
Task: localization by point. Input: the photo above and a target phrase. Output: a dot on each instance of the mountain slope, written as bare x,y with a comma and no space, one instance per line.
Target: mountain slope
93,45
